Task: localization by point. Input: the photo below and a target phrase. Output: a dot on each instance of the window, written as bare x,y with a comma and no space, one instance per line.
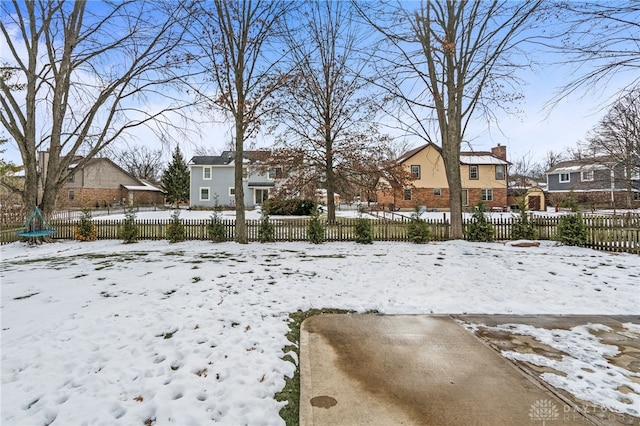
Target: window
232,191
407,194
635,173
72,178
465,197
261,195
275,173
636,195
204,194
473,173
587,176
437,192
206,173
415,171
72,194
500,174
487,195
564,177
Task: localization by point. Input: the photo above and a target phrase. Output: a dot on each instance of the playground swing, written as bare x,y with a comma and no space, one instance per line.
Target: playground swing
36,226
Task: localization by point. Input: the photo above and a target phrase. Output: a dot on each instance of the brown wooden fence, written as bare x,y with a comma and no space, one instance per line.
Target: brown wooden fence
609,233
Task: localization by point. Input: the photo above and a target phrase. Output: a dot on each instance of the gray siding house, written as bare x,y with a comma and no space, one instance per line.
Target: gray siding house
596,181
213,177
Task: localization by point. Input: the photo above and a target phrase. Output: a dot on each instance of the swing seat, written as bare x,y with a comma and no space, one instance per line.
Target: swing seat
34,234
36,226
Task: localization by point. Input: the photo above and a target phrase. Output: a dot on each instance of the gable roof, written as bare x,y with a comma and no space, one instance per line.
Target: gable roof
97,160
404,157
481,158
228,157
477,157
597,163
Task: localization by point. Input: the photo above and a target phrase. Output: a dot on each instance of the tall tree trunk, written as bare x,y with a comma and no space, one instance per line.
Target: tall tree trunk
451,159
241,228
331,184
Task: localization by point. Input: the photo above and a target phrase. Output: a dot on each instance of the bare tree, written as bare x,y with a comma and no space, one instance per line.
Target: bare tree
524,170
449,61
600,40
617,137
233,37
83,75
327,107
552,158
140,161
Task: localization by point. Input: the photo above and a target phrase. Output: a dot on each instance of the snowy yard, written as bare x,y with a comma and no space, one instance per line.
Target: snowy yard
187,333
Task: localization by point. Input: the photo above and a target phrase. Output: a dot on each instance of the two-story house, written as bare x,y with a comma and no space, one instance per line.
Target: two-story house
213,179
596,182
484,179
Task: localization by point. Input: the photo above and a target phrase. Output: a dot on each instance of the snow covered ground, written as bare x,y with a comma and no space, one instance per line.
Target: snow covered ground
187,333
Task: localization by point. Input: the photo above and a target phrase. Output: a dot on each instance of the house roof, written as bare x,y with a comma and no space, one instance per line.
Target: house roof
96,160
404,157
228,157
574,166
146,186
477,157
480,158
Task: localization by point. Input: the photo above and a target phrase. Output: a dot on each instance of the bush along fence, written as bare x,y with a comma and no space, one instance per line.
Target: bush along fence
608,233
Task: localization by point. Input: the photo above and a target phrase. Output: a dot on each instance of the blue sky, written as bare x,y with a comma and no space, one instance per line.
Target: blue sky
534,132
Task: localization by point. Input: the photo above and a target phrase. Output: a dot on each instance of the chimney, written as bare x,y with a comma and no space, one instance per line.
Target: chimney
500,152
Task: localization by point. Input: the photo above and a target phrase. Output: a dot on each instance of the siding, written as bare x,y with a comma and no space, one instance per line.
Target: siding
222,178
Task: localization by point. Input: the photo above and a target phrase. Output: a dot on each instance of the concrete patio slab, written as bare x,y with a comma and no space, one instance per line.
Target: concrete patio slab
415,370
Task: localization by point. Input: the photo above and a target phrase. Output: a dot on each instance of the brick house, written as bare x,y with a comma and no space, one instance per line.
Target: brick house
100,183
595,182
484,179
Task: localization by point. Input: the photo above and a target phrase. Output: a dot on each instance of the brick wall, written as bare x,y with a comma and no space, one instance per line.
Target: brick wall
598,199
88,197
499,198
99,197
426,197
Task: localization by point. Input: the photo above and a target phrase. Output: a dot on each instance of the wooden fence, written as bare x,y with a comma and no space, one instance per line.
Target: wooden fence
609,233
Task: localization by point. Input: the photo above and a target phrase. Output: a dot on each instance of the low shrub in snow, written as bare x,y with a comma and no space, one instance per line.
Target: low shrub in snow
418,230
175,228
266,229
86,229
363,231
480,229
315,231
129,229
571,230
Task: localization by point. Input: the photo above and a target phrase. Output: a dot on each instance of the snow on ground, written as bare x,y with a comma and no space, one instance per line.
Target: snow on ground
193,332
206,214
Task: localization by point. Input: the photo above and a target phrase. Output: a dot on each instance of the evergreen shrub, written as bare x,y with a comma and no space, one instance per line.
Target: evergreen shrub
315,231
363,231
266,229
522,228
175,228
572,231
418,230
86,229
215,229
480,229
129,229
